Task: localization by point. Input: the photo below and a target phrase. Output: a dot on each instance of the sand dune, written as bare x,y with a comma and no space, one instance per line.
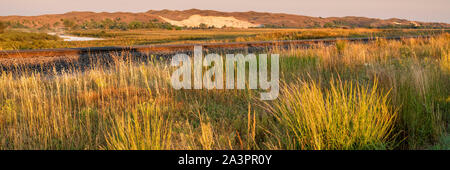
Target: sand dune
218,22
194,17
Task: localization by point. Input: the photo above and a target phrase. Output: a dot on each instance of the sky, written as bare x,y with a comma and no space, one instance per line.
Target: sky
417,10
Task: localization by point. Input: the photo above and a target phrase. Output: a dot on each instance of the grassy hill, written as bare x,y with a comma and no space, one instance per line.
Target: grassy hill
88,20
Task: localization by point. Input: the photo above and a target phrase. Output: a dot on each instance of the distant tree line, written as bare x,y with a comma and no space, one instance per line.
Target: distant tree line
92,24
118,24
15,24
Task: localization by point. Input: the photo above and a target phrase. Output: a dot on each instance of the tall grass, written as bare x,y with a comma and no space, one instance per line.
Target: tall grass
344,116
420,91
87,110
389,95
414,70
144,129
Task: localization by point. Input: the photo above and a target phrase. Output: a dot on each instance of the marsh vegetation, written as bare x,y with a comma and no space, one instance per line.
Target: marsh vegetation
15,39
377,95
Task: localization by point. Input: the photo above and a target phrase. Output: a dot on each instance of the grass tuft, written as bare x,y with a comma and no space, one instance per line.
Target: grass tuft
345,116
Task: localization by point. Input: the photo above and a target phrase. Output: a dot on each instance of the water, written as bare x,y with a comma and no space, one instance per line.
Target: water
74,38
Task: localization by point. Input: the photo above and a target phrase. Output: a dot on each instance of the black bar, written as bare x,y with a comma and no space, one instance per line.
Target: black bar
222,159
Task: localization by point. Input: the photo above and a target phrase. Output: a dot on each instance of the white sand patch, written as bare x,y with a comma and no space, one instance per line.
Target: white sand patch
218,22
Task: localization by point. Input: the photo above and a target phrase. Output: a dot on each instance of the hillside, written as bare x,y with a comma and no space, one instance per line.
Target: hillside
195,17
294,21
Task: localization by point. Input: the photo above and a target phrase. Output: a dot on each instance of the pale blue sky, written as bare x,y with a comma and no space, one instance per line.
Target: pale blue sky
419,10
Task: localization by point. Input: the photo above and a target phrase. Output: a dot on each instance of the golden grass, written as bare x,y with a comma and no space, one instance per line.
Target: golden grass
132,105
144,129
344,116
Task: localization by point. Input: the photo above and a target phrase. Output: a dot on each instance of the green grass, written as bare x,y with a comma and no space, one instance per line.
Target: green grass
26,40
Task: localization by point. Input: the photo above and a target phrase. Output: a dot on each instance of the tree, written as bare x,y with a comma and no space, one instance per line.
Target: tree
328,25
108,23
123,26
203,26
135,25
56,24
68,23
2,27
